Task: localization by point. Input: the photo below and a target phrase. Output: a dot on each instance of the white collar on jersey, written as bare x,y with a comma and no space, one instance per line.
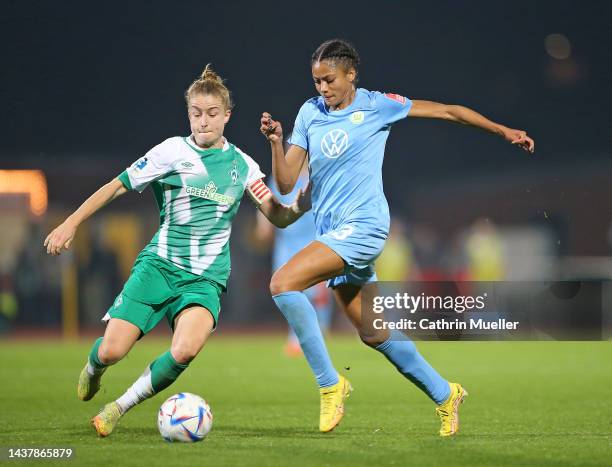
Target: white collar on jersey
192,143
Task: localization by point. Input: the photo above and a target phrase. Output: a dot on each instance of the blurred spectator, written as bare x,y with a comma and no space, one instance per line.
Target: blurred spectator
286,243
485,253
396,262
8,303
429,253
36,287
99,278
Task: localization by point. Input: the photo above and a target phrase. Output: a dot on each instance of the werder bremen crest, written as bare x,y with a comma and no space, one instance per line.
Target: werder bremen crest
234,173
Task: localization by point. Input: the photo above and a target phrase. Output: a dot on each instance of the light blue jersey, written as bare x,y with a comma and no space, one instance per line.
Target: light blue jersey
346,149
293,238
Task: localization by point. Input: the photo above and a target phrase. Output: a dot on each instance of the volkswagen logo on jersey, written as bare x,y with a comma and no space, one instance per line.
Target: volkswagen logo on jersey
334,143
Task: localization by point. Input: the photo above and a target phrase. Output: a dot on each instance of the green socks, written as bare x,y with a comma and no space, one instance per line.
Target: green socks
157,376
95,366
164,371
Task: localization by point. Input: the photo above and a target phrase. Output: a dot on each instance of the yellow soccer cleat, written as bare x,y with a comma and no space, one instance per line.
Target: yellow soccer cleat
449,411
105,421
88,385
332,404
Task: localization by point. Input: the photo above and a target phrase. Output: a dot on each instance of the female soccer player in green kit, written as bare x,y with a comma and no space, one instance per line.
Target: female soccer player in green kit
343,132
198,182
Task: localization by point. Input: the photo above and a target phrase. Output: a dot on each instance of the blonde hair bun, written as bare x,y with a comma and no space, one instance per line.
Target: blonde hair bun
210,82
210,75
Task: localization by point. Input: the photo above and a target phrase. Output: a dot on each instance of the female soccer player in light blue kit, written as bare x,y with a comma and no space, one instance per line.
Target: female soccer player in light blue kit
343,133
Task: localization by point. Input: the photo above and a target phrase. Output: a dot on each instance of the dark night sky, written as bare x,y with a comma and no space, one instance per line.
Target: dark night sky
107,79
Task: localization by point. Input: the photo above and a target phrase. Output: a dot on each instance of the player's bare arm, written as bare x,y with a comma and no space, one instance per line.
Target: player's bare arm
279,214
285,167
466,116
61,237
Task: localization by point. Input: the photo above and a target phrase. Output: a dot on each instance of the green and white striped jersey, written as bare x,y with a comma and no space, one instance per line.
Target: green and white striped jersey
198,192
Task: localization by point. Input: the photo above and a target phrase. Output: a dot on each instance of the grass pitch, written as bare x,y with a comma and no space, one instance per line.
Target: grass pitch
530,403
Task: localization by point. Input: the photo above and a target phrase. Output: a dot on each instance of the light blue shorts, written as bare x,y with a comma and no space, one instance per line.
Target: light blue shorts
358,244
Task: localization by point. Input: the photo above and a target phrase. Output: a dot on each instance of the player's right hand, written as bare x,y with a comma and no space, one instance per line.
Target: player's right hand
60,238
303,198
271,129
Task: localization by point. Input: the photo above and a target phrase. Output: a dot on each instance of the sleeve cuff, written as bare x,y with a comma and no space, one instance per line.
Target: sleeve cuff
408,107
300,143
125,179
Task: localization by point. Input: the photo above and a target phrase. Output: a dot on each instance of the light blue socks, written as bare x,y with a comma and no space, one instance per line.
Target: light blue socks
302,318
324,309
398,349
402,352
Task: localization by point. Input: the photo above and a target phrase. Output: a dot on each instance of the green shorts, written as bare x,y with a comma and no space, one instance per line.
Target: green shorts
157,288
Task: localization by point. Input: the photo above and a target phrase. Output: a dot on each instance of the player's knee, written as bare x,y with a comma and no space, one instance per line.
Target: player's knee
280,283
184,352
372,339
109,354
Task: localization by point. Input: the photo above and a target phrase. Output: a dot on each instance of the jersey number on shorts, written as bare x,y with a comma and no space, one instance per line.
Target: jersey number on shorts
342,233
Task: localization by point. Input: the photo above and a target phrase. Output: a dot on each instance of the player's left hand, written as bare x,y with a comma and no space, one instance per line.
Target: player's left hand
303,200
520,138
60,238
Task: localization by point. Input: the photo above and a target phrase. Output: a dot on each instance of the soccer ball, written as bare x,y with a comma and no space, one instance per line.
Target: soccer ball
184,417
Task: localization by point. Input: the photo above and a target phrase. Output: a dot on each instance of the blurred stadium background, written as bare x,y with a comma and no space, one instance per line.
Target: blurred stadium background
88,88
